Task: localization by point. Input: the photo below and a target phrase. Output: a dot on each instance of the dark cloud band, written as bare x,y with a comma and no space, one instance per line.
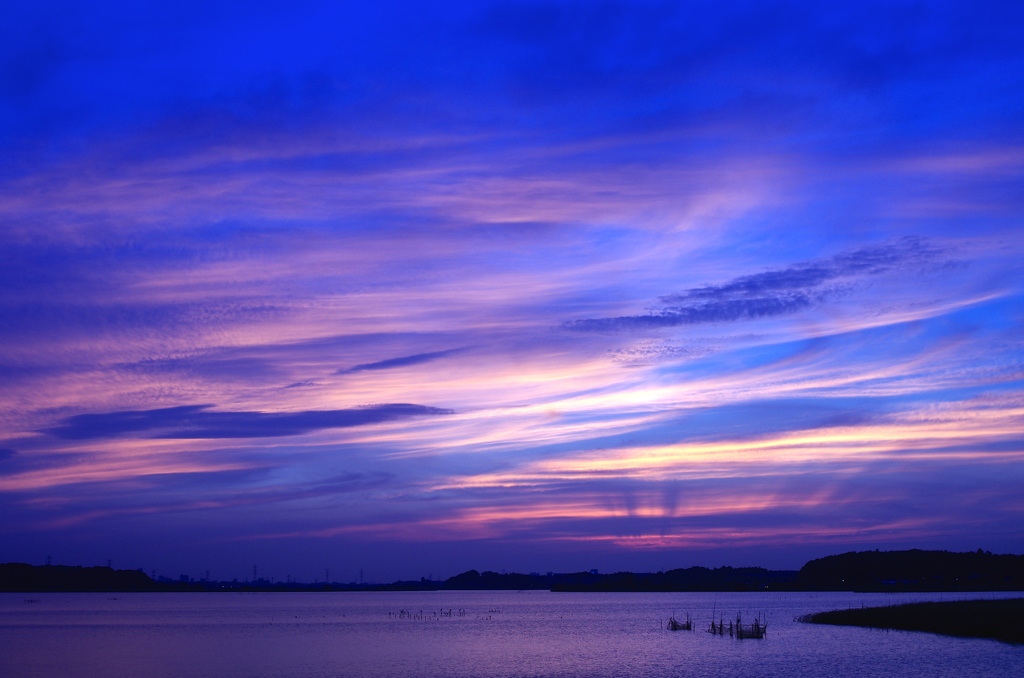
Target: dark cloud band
196,421
404,361
771,293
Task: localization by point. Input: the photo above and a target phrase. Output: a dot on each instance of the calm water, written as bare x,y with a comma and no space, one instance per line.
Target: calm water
498,634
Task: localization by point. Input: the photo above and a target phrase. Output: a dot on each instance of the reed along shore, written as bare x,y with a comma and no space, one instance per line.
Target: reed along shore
1001,620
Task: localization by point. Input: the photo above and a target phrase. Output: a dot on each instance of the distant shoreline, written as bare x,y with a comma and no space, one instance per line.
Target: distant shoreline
912,571
1001,619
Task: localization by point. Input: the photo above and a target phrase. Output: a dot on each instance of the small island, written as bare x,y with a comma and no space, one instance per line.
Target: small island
1001,620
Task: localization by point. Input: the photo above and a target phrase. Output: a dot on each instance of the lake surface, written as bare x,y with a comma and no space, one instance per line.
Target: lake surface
489,633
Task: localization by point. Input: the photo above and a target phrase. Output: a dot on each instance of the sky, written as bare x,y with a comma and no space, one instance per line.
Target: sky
398,290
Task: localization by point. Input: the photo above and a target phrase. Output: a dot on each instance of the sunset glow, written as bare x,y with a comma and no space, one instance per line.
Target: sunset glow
418,288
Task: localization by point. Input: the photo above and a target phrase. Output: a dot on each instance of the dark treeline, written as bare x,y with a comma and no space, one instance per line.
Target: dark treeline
913,570
22,577
863,571
690,579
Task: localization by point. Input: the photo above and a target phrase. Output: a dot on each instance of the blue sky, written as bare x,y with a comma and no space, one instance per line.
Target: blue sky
414,288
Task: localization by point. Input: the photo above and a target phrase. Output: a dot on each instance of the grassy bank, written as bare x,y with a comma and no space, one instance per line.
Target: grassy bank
996,619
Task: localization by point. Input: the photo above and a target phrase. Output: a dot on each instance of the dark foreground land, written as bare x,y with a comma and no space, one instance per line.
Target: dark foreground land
1001,620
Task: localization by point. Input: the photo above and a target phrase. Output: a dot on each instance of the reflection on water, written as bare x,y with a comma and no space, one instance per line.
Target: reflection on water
474,633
